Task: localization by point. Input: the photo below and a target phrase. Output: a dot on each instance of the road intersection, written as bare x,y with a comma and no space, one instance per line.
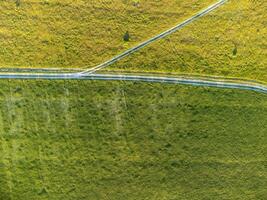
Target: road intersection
89,74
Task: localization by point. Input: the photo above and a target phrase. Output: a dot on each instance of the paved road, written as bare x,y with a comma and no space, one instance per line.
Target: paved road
157,37
145,78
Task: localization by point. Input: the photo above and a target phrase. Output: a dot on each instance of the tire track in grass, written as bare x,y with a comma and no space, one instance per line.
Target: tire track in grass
199,81
155,38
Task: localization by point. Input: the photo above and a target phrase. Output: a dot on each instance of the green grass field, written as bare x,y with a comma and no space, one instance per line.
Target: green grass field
115,140
229,42
65,33
126,140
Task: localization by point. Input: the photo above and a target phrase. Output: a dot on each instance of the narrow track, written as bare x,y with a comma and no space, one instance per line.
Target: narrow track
145,78
157,37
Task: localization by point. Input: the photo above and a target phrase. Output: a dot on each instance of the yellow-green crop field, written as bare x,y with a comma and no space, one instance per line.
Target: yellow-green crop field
229,42
82,33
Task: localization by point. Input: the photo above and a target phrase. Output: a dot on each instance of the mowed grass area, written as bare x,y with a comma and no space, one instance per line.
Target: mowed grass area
78,34
229,42
126,140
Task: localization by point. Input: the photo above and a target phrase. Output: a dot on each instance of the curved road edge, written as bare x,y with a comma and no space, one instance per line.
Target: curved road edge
144,78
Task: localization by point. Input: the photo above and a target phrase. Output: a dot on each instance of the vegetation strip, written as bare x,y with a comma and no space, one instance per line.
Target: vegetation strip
160,36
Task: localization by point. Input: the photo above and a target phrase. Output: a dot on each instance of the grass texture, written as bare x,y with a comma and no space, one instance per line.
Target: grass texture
80,33
229,42
125,140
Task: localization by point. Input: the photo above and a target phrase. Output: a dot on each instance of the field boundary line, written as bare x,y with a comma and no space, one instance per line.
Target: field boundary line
145,78
155,38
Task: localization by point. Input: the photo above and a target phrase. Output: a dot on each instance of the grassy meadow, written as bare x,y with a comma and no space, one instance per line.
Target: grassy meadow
80,33
230,42
130,140
126,140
